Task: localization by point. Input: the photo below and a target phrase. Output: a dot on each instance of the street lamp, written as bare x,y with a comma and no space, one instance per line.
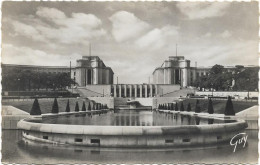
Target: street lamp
18,87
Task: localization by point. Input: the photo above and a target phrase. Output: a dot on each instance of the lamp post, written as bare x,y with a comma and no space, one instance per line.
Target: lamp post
18,87
212,90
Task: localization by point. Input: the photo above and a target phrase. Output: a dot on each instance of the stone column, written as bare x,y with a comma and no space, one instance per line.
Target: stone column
145,88
135,86
185,77
115,91
125,90
164,76
156,90
151,91
120,90
169,76
141,91
130,90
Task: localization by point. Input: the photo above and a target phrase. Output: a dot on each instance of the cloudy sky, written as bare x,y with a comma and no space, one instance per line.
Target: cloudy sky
131,37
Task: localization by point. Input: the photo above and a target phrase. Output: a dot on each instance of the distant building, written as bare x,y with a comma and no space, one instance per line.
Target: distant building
91,70
94,78
177,70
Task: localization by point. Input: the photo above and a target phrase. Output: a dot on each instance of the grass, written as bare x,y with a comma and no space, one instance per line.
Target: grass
46,105
218,105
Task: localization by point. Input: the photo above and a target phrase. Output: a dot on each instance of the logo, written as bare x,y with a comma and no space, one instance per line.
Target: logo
239,139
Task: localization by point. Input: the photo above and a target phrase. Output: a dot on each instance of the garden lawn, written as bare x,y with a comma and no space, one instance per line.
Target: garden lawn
46,105
218,105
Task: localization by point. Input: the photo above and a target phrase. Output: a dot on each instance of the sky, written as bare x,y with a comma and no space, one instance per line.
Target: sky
133,38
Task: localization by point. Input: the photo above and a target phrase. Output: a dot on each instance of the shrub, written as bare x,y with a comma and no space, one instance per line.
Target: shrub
189,108
197,107
77,107
55,107
94,106
229,110
36,110
182,107
89,107
176,107
83,106
68,106
210,107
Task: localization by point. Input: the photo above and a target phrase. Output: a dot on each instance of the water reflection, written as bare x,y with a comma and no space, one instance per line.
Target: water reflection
133,118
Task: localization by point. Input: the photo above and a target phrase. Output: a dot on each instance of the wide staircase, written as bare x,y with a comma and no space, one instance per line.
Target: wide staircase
121,103
179,93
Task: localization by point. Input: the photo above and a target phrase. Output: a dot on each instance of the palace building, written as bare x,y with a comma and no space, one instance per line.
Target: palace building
94,78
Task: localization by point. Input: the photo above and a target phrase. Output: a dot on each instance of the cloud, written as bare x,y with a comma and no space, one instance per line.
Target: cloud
50,13
24,55
207,35
226,34
201,10
27,31
127,26
157,38
79,28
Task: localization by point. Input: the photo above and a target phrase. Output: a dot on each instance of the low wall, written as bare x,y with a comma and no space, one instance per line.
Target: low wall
238,94
130,136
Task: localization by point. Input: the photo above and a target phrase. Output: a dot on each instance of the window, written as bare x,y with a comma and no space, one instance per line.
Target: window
185,140
45,137
95,141
168,141
78,140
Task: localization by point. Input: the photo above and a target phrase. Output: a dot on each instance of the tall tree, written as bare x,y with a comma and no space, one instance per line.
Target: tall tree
210,107
197,107
68,106
229,110
182,107
176,107
35,110
55,107
89,107
189,108
77,107
83,106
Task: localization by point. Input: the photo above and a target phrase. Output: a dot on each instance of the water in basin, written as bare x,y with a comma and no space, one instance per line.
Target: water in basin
132,118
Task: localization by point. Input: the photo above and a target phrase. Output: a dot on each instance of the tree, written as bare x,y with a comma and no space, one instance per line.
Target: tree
182,107
189,108
89,107
83,106
210,107
94,106
229,110
172,106
176,107
68,106
197,107
77,107
36,110
55,107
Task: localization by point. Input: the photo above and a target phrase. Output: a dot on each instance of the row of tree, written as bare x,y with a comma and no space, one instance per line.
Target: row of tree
238,79
27,80
36,110
229,110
